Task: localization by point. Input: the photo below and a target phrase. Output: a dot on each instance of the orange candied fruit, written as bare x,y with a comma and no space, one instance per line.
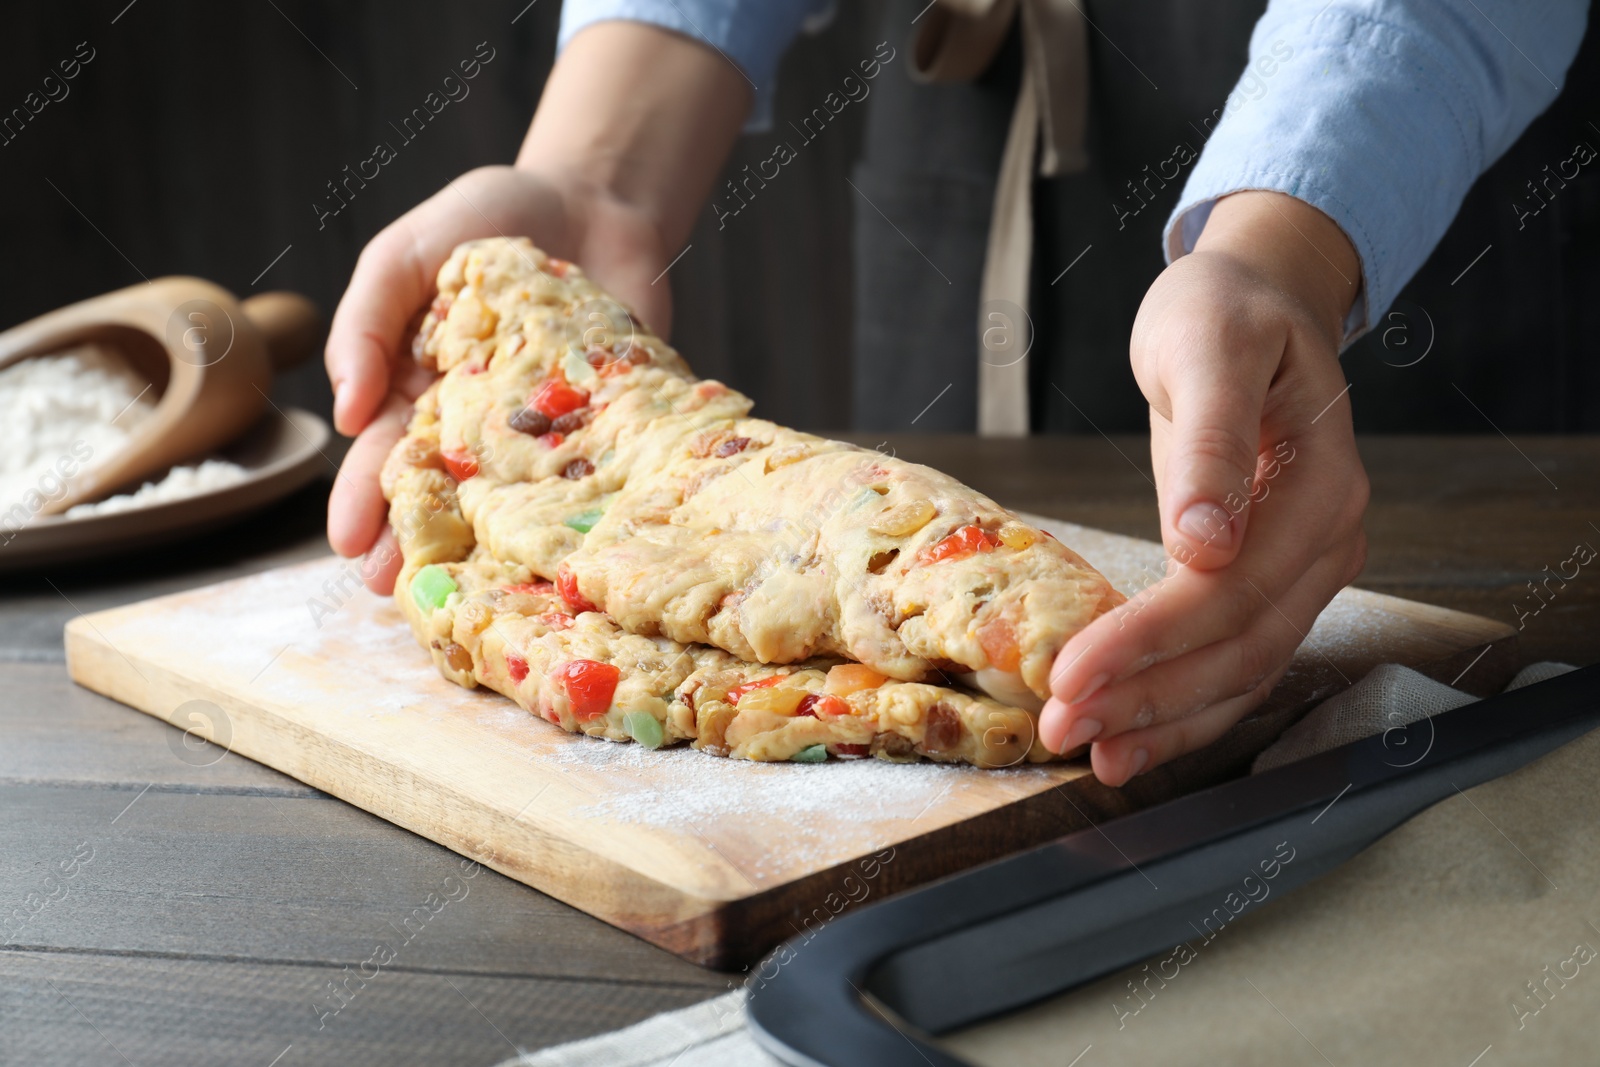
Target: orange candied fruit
999,641
847,678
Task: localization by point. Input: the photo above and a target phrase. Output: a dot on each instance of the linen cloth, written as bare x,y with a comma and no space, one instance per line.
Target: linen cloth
1470,931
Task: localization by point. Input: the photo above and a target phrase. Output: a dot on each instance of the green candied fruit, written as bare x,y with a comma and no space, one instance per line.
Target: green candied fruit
644,728
577,368
814,754
432,587
584,521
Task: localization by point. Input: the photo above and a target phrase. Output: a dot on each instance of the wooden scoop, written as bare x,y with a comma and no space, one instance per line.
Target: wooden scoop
207,356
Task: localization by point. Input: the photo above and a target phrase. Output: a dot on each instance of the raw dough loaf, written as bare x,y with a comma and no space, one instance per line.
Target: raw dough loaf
500,627
565,442
717,528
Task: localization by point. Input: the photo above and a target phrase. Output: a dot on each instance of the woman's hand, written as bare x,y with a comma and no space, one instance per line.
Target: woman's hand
611,175
1261,490
369,357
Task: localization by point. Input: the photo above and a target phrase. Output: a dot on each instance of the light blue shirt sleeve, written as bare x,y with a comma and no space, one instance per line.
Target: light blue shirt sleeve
750,34
1380,113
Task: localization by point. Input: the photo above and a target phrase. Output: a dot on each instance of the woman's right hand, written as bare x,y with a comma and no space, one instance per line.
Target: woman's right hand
611,176
369,359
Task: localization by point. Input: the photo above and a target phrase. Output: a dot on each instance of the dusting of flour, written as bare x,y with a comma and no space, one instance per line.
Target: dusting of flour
794,812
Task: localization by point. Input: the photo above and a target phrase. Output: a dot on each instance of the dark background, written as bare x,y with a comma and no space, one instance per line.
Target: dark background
199,136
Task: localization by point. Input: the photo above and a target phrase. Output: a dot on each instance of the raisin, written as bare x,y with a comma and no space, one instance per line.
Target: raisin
457,657
891,744
578,468
530,421
732,446
572,420
637,354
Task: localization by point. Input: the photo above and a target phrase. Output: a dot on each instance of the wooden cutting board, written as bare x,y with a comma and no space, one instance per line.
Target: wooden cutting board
715,860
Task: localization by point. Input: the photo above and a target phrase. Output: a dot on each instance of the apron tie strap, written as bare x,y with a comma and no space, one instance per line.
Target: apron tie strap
957,43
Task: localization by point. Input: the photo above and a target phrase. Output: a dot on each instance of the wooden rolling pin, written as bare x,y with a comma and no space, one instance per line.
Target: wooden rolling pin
208,357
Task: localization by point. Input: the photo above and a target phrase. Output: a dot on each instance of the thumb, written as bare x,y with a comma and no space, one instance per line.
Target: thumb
1210,466
388,287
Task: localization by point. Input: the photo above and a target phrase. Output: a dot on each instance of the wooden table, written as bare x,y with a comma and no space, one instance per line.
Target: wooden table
220,899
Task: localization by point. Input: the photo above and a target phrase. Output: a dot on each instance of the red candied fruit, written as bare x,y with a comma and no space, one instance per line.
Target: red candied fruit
851,750
555,398
551,440
532,588
590,686
967,541
556,621
460,463
567,585
517,667
558,267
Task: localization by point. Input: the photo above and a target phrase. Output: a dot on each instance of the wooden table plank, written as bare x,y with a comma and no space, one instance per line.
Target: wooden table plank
74,1009
284,880
89,740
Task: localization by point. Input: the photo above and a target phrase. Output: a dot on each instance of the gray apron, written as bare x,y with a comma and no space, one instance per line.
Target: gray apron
1038,344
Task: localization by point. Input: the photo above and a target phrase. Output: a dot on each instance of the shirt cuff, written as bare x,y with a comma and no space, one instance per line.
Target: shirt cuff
1187,222
751,35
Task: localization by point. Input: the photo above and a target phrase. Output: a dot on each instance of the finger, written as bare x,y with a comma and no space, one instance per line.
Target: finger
357,512
1186,610
1195,680
1117,760
1217,391
382,564
1311,511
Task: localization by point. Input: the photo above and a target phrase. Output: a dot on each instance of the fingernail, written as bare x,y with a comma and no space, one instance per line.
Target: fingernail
1080,733
1207,524
1091,688
338,400
1140,758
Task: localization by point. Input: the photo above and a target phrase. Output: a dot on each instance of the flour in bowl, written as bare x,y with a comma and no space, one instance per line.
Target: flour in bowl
69,411
178,483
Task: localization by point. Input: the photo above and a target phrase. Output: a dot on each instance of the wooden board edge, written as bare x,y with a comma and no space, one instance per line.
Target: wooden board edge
1482,670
